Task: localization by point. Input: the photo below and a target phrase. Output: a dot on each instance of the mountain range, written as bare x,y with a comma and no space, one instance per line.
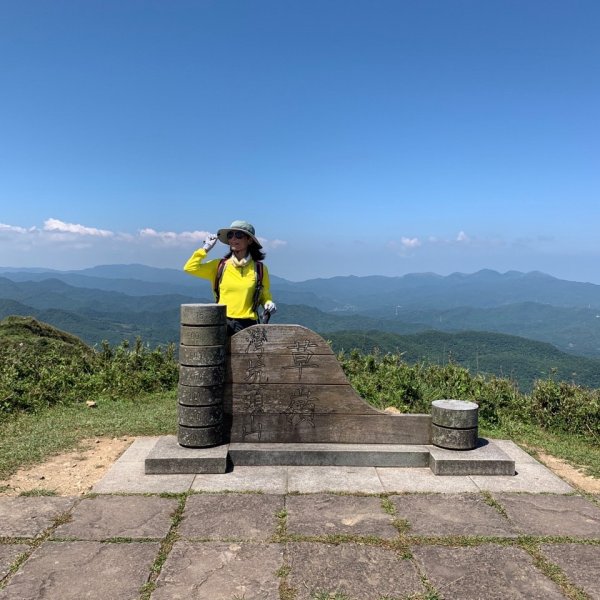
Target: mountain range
114,302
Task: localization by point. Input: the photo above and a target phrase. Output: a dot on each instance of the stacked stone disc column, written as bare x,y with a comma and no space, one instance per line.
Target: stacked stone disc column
454,424
201,375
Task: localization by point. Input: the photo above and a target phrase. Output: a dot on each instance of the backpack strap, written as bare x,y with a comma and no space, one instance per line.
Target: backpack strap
258,269
218,277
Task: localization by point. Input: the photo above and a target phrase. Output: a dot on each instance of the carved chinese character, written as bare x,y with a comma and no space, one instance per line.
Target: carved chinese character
301,408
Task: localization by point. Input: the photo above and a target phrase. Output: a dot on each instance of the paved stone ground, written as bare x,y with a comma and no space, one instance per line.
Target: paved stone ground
228,546
281,533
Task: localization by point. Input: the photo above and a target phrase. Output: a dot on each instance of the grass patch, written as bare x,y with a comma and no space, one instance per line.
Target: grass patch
16,565
491,501
286,592
388,506
38,492
30,438
321,595
281,531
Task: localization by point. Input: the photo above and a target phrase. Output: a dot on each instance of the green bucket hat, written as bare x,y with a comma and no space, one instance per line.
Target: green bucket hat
244,226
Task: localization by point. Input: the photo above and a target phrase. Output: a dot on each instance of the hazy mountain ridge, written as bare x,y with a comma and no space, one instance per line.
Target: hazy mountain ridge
324,305
485,288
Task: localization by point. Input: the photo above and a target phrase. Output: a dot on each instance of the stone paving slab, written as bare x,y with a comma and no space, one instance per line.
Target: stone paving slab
76,570
423,480
311,480
231,516
270,480
361,572
27,517
139,449
580,562
329,514
220,571
451,514
516,452
8,555
541,514
107,517
128,476
488,571
530,477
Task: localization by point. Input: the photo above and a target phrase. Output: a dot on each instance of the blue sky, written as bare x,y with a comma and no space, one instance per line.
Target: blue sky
360,137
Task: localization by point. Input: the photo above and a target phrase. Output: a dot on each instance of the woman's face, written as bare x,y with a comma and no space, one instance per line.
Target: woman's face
237,244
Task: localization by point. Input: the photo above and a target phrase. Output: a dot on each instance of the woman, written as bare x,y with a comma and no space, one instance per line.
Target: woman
240,280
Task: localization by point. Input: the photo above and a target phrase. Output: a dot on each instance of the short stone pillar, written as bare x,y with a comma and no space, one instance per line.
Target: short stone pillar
454,424
201,375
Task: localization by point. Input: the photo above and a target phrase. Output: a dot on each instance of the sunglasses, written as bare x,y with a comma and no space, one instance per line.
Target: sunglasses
240,235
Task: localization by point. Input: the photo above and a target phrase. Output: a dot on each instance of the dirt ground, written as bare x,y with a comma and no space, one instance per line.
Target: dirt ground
571,474
69,474
75,473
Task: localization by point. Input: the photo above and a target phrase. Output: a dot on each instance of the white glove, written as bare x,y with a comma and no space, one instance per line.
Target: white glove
270,307
209,242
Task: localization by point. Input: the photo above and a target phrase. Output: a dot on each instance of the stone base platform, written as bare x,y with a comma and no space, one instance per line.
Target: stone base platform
329,455
168,457
486,459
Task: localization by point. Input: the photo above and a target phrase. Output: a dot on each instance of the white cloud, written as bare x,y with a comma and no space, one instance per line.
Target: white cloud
410,242
173,238
403,247
277,243
14,228
54,225
272,244
57,231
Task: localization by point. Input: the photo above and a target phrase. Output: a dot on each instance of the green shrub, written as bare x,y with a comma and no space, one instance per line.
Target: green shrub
40,371
41,366
386,380
566,407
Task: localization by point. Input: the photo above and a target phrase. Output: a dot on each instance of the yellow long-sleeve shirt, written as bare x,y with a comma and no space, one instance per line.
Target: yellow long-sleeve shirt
237,283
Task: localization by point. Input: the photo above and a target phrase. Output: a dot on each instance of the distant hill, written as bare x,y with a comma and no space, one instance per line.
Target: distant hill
96,315
32,353
519,359
483,289
24,330
572,329
154,328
